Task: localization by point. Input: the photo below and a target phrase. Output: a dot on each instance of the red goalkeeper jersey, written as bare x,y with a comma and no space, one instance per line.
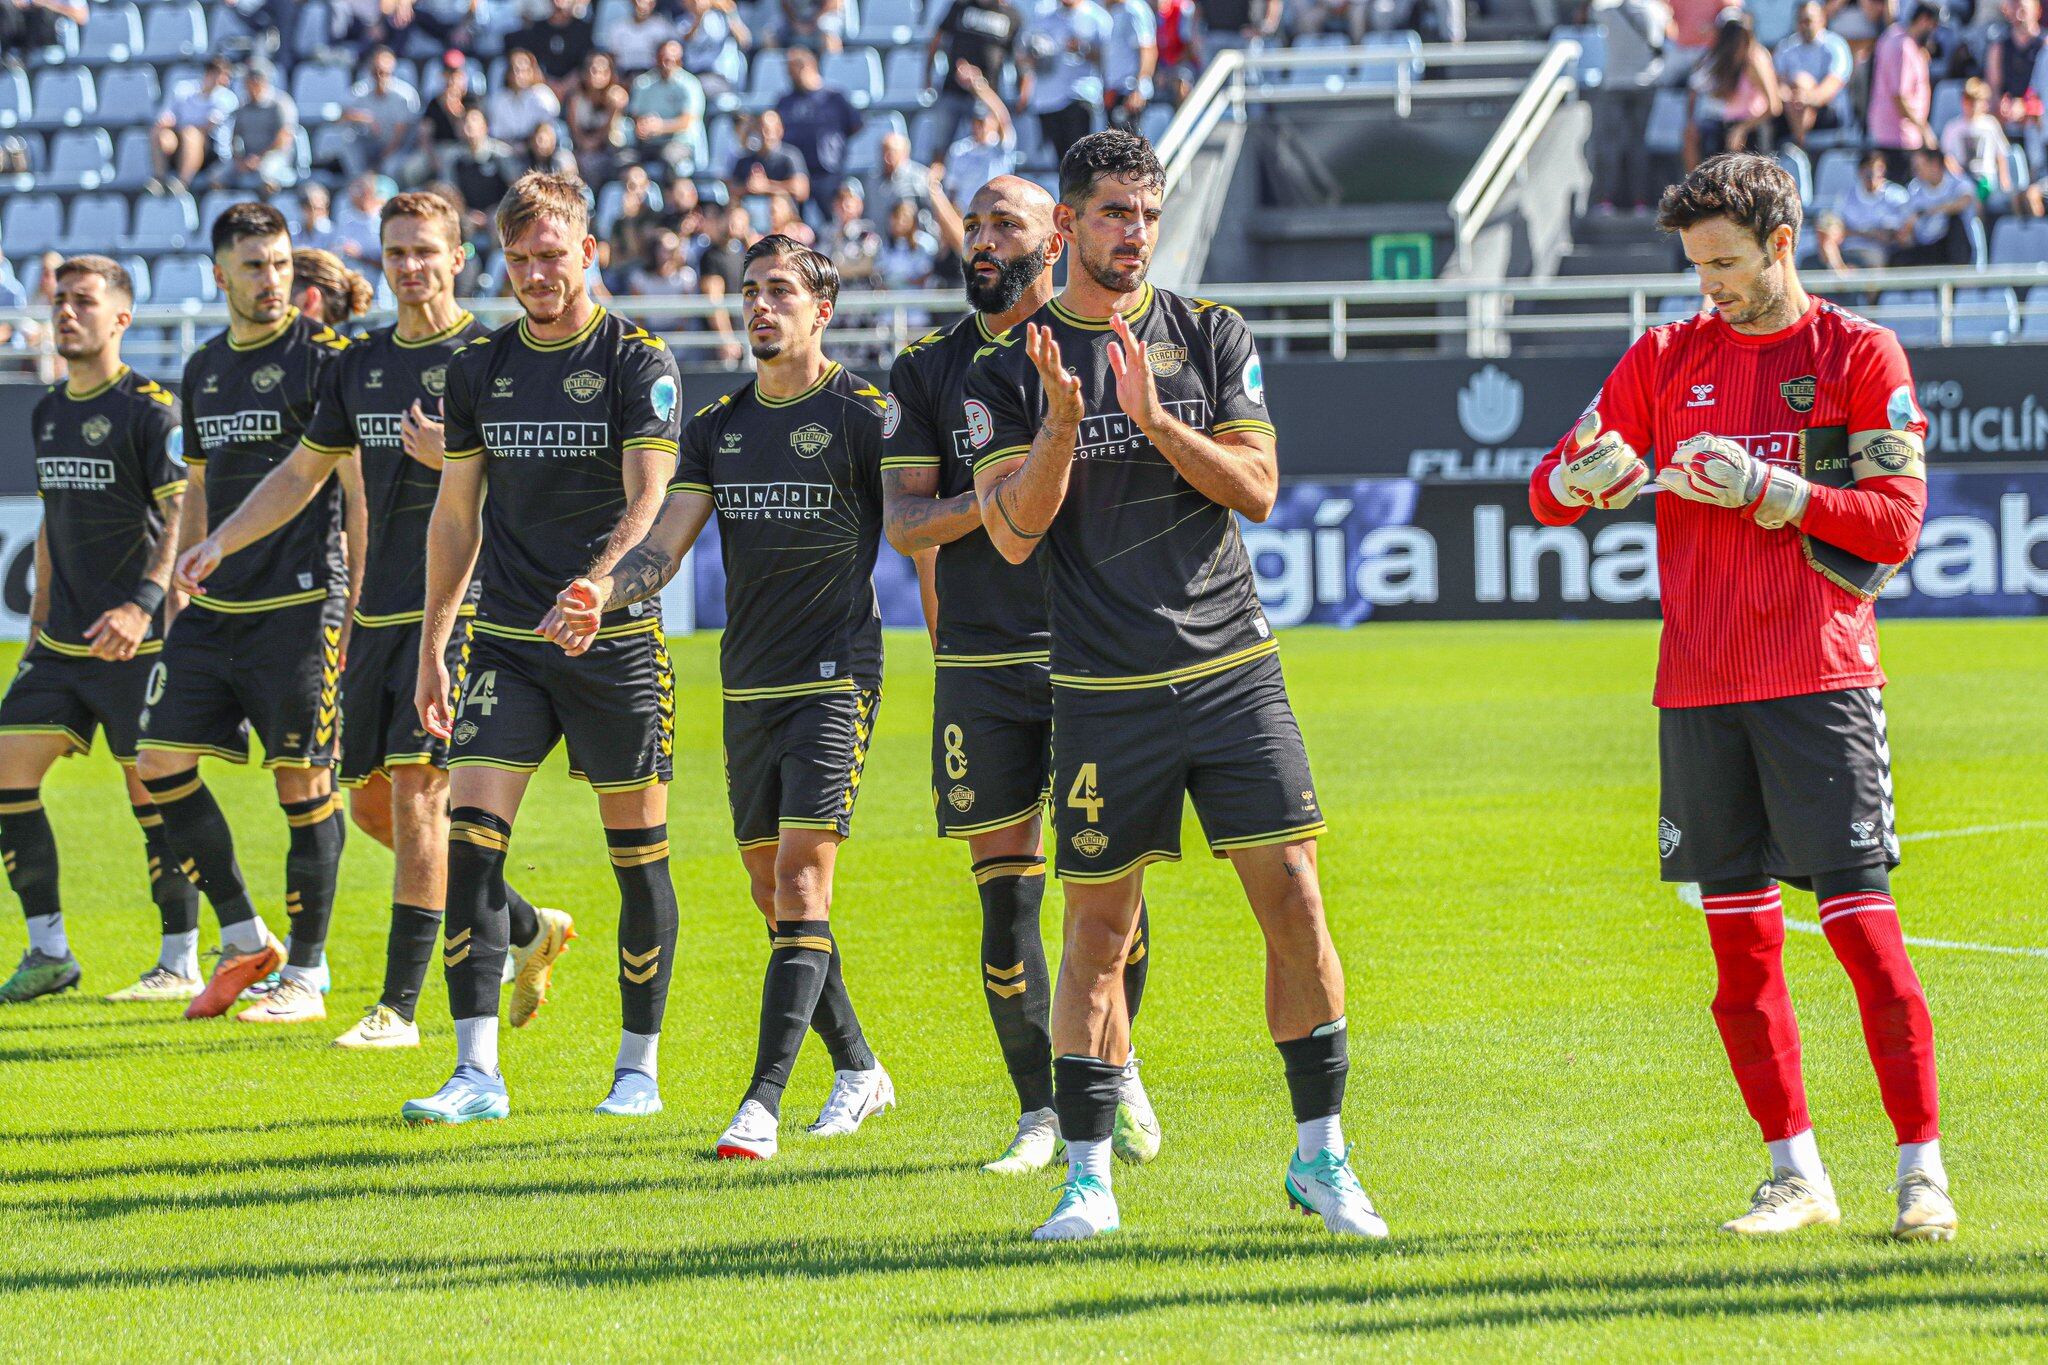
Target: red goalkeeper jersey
1745,617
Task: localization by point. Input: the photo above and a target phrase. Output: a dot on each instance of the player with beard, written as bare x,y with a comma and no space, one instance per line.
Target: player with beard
992,699
381,399
567,419
791,463
260,647
107,445
1125,475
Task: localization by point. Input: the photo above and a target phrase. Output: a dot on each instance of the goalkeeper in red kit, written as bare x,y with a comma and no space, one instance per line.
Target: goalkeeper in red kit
1782,439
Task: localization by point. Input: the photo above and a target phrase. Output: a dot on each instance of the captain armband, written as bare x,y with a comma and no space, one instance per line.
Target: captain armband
1886,454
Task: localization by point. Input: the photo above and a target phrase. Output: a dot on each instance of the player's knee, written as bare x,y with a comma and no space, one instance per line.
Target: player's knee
1096,940
802,889
371,815
155,764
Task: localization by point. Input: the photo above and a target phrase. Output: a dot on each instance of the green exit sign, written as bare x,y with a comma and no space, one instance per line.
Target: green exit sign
1403,256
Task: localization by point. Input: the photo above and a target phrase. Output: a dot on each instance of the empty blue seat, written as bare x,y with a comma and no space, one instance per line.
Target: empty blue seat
80,159
99,222
857,71
2034,318
173,32
768,81
864,152
888,23
905,74
138,276
14,100
1914,314
113,33
2019,241
319,90
134,160
1835,176
31,224
1391,58
1984,315
184,279
1799,168
64,98
164,222
128,97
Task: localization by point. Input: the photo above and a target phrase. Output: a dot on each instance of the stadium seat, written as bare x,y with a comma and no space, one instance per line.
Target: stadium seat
99,221
164,222
1915,314
611,201
857,71
173,32
185,279
891,23
134,162
1799,168
2016,163
724,145
138,275
1592,63
331,142
215,202
1391,58
864,151
14,100
80,159
1948,103
2019,241
1835,176
64,98
1153,123
319,89
129,97
113,33
2034,317
1324,75
905,74
1679,307
313,31
31,224
713,191
769,82
1980,246
1985,316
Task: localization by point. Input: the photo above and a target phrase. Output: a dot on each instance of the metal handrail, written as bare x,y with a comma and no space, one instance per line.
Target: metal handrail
1508,150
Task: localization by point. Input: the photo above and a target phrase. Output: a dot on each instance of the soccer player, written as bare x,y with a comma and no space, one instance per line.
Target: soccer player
992,700
108,468
1119,435
567,419
381,398
260,647
1789,453
791,463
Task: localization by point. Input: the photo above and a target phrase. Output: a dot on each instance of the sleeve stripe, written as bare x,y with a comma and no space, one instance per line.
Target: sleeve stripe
1243,424
319,449
997,456
680,487
911,462
164,490
666,447
462,454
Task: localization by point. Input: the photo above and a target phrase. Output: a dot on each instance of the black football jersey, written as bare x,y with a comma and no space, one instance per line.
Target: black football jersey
1148,581
553,420
246,406
365,398
103,458
798,487
990,611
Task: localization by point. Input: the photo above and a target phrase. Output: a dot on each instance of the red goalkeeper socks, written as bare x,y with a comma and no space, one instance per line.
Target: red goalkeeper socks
1863,929
1753,1008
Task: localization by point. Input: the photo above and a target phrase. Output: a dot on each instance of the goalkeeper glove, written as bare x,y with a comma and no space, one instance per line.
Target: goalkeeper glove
1714,469
1600,470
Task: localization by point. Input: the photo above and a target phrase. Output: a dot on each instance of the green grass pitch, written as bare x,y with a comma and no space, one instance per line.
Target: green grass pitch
1538,1098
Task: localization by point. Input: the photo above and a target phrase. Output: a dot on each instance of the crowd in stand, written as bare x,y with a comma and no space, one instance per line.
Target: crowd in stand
1938,107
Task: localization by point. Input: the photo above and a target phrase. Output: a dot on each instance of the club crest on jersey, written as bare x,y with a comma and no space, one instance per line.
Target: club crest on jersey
267,378
1091,843
1668,836
374,380
892,415
583,385
829,668
1799,393
961,798
95,430
435,380
1166,361
810,441
981,425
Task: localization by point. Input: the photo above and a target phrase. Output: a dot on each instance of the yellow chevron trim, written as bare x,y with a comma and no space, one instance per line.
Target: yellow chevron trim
1003,973
151,821
1006,992
449,959
456,940
1034,867
640,978
483,836
640,959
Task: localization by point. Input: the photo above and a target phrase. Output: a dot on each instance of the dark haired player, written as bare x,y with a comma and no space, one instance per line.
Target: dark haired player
260,647
1118,437
1789,449
992,700
381,399
560,437
107,466
791,464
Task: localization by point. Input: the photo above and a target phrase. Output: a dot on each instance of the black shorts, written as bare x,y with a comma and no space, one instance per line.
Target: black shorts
57,693
1124,761
223,674
380,724
1790,787
991,746
794,762
614,704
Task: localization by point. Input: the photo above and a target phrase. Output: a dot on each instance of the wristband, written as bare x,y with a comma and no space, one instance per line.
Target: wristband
1783,499
148,596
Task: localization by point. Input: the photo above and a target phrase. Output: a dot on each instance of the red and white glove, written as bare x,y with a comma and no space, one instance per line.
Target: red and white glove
1716,470
1600,470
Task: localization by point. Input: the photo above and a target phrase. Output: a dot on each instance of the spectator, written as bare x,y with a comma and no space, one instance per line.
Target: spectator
985,36
668,113
383,111
597,119
1901,90
441,123
1129,61
816,24
1864,226
31,25
1813,66
559,43
634,38
713,34
988,150
2010,61
683,209
261,137
1976,145
1064,49
1940,202
192,131
1731,93
908,255
482,169
1177,64
1238,25
324,287
315,228
440,27
523,102
765,165
358,224
817,122
849,238
545,153
900,178
12,295
631,235
720,266
786,219
666,273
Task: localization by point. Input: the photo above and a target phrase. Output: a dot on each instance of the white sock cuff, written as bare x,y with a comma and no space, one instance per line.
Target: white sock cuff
638,1052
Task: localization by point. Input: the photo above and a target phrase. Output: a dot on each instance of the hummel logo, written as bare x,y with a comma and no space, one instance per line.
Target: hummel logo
1702,396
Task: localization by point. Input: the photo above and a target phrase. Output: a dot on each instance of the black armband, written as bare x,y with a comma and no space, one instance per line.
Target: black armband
149,596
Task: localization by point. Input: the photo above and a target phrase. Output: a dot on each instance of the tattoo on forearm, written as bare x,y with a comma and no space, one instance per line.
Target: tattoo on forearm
640,573
1010,522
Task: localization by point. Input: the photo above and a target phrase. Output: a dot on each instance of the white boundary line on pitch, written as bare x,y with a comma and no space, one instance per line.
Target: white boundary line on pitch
2003,950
